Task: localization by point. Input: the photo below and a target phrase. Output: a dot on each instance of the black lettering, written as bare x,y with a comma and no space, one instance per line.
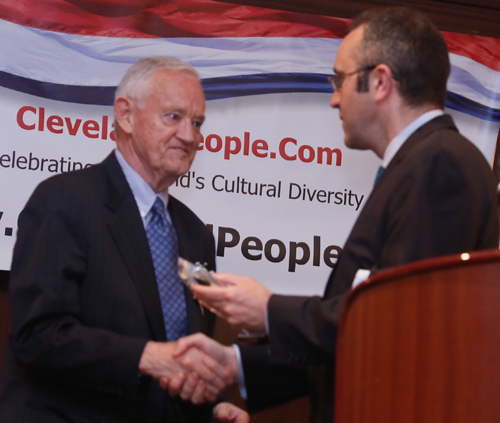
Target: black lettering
213,182
5,158
294,197
317,250
293,260
53,166
185,180
222,242
33,159
331,252
21,160
268,250
200,182
251,243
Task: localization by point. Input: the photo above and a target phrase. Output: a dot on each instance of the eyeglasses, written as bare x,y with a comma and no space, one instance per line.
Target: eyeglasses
337,80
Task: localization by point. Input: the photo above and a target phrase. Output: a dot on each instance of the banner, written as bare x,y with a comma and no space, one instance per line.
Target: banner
272,178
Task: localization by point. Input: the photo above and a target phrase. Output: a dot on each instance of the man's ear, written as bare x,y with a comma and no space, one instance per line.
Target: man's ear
382,82
123,114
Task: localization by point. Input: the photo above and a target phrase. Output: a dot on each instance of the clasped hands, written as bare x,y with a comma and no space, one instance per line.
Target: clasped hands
197,368
186,370
201,377
242,301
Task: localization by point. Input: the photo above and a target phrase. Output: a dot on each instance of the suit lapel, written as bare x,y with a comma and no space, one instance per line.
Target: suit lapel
127,229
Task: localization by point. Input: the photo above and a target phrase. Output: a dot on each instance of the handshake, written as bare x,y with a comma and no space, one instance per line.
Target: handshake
197,369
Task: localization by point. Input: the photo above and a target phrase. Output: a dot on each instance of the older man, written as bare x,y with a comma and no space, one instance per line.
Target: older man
97,302
436,196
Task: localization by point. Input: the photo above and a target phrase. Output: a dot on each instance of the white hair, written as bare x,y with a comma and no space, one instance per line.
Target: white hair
134,83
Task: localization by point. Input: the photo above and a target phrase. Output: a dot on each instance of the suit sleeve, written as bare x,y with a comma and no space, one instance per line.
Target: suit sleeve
269,383
49,266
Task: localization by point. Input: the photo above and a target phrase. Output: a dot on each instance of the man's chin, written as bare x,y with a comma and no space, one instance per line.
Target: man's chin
355,143
179,170
349,142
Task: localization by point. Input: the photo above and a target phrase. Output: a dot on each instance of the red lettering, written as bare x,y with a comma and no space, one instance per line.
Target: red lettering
228,150
104,127
41,118
310,151
329,152
91,125
218,145
260,145
246,147
282,147
53,121
20,117
72,129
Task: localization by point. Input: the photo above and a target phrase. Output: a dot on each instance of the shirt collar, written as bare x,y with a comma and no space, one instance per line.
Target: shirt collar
400,138
143,193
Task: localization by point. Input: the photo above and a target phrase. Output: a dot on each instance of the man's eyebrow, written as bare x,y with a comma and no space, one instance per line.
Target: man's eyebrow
179,110
183,112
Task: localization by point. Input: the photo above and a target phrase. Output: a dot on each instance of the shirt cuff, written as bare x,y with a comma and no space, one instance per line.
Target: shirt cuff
241,374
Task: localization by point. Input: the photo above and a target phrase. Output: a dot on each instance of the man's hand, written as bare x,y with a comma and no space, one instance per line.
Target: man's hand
243,301
204,378
224,355
186,386
227,412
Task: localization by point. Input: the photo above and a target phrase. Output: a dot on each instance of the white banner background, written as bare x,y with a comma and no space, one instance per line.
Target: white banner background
305,117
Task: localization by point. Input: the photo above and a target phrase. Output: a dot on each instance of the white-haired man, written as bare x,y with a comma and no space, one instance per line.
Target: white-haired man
96,312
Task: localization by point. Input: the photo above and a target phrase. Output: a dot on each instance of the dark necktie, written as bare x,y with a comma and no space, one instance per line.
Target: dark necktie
379,174
164,251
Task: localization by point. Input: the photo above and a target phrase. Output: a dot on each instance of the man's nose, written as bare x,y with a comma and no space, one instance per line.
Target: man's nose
335,100
186,131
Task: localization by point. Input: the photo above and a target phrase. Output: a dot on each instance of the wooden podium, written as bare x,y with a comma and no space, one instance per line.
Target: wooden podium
421,343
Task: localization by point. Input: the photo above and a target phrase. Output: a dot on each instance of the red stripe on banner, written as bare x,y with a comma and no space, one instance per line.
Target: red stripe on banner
484,50
202,18
177,18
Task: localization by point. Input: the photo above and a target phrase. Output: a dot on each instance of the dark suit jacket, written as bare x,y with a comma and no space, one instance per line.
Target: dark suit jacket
436,197
85,302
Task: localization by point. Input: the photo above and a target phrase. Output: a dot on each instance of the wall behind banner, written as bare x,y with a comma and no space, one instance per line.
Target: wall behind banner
272,178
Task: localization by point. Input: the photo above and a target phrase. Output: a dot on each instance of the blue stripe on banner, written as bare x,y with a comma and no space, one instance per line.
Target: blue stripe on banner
215,88
237,86
462,104
219,88
82,94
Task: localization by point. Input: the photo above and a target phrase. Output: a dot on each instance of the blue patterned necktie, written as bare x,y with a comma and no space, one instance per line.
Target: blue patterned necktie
379,174
164,251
